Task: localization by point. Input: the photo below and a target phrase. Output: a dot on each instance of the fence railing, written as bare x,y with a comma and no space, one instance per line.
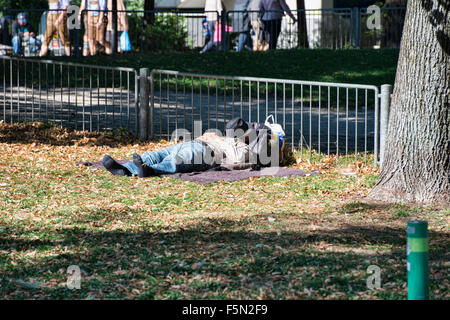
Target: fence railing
329,118
77,96
173,30
168,30
390,33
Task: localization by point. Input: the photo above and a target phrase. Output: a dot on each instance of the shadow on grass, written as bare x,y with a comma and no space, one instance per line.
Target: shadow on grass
51,134
213,258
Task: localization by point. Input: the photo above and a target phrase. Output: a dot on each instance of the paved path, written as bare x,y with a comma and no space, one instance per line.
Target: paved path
105,108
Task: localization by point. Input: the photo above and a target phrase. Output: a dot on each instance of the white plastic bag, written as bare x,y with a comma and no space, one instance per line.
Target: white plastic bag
277,130
277,136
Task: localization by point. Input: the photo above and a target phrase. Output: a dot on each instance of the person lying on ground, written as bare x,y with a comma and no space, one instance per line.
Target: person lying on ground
206,152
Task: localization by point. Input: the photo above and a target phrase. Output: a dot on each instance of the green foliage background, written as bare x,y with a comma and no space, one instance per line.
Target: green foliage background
43,4
355,3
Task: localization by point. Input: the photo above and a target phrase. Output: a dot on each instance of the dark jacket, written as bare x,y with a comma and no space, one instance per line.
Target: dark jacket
18,30
257,135
4,32
241,20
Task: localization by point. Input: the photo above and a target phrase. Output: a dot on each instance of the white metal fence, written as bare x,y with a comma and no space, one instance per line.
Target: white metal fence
73,95
327,117
330,118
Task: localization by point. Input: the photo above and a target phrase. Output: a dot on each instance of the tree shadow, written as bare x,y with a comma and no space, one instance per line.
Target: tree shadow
439,21
203,259
51,134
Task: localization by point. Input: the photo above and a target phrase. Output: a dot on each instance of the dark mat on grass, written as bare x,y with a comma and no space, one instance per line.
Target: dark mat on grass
211,176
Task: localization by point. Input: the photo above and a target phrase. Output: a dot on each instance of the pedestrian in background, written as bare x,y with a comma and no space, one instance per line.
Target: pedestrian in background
56,21
272,14
241,24
206,30
213,9
96,23
82,14
122,25
259,44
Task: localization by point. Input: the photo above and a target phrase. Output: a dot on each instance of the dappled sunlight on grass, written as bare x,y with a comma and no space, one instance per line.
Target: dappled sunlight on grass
283,238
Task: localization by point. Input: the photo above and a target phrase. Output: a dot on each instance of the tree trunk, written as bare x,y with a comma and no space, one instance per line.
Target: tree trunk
149,17
301,25
417,154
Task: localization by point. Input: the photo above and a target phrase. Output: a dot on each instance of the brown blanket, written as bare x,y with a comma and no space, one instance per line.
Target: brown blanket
212,175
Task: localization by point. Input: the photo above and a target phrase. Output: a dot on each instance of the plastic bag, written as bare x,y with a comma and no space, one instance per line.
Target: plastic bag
277,135
125,43
277,130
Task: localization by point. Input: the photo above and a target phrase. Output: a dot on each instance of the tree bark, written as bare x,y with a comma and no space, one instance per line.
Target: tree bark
417,155
149,17
302,32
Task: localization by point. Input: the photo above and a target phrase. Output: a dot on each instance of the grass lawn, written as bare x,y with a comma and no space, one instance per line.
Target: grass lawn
362,66
281,238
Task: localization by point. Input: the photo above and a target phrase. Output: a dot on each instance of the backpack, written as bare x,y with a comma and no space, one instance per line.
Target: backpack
237,124
263,138
260,145
258,134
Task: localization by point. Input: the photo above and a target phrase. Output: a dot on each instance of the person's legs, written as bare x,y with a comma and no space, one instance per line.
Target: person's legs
85,45
271,25
209,46
207,38
100,34
119,35
256,29
244,39
48,34
187,157
17,44
249,42
108,42
92,32
142,169
150,158
108,49
184,157
114,167
85,36
64,35
211,42
277,32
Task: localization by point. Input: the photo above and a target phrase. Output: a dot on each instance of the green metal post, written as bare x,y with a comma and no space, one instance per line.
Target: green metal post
417,260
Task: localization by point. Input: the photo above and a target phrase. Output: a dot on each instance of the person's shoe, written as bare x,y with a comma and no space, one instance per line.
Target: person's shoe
143,169
114,167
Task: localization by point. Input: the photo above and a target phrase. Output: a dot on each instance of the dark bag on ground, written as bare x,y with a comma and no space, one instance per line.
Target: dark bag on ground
258,135
236,124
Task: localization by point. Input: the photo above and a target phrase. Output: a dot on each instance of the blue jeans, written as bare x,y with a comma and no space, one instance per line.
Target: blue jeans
183,157
210,44
33,43
244,39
